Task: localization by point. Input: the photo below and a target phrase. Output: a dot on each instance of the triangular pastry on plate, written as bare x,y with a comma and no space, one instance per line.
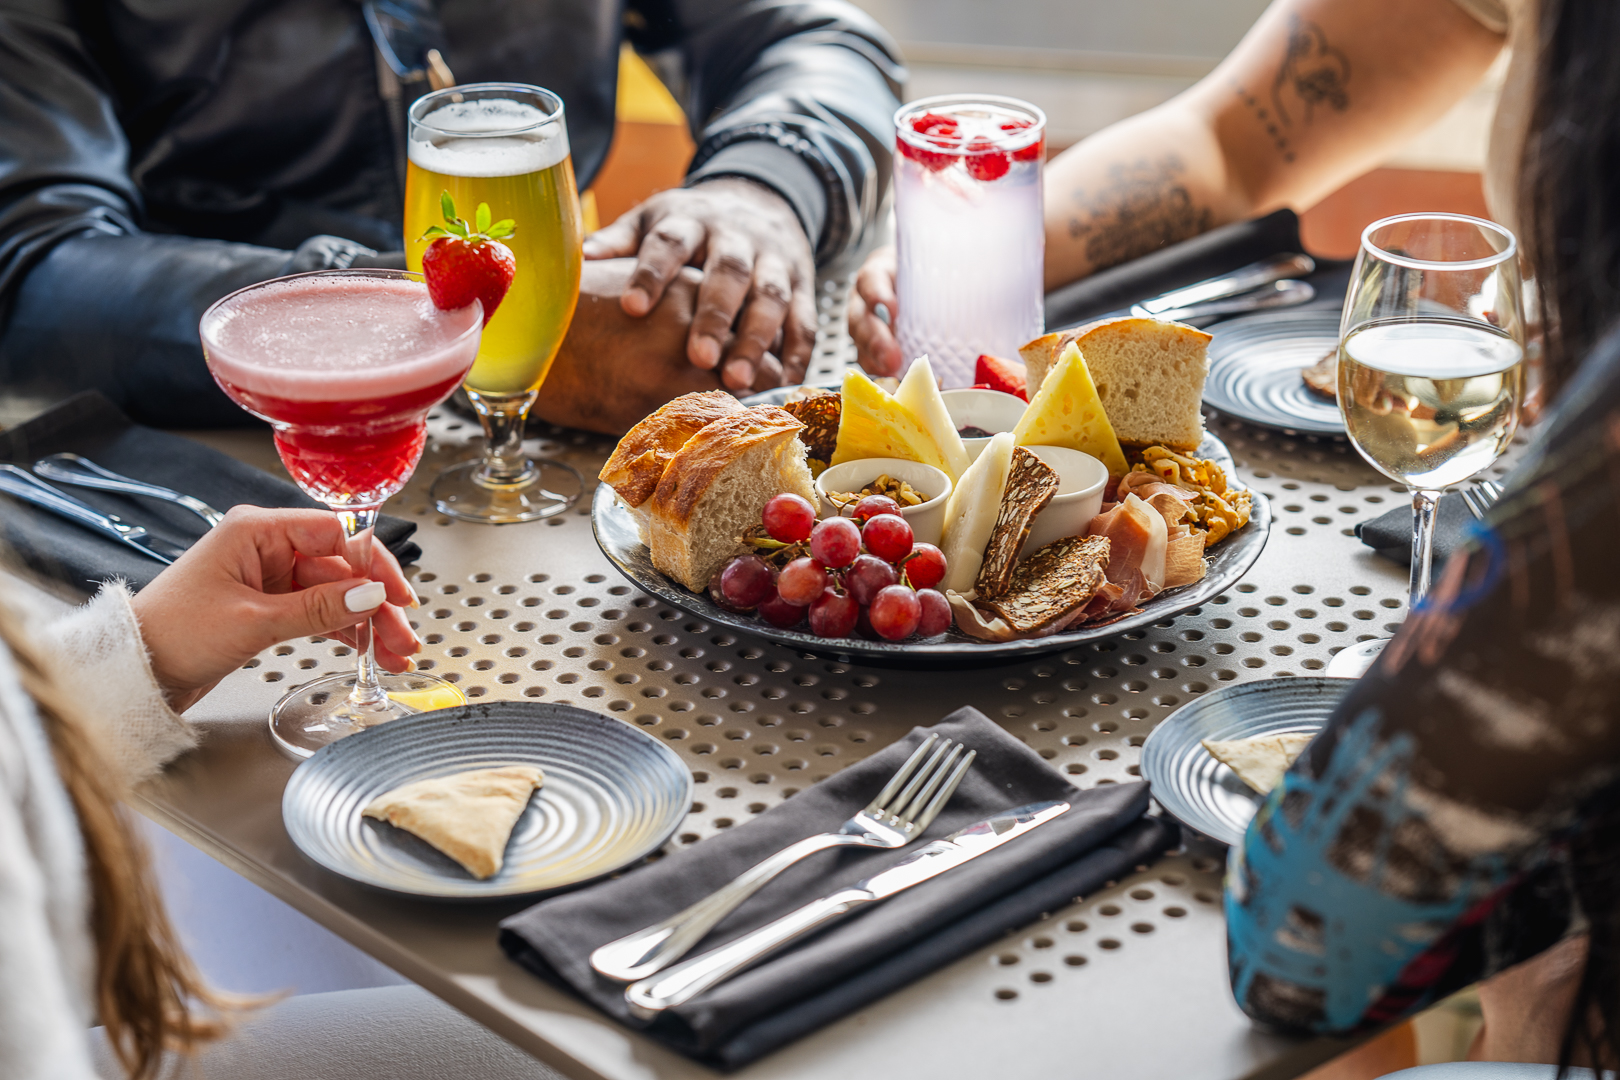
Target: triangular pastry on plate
468,815
1260,761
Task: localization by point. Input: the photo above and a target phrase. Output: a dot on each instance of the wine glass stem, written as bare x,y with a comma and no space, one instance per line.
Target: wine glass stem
358,523
1424,505
503,416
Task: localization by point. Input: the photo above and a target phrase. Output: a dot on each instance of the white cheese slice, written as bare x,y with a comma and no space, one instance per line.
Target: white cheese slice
919,392
970,513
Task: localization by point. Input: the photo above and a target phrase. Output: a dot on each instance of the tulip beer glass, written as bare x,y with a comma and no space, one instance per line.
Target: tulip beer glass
504,144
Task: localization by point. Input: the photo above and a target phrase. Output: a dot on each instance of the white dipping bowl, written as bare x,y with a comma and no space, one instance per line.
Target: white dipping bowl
927,520
1081,480
990,410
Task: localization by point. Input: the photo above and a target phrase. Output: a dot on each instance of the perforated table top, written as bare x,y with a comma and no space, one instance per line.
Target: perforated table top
1130,982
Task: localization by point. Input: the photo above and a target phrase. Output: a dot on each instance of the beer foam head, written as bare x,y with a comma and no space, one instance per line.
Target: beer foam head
506,138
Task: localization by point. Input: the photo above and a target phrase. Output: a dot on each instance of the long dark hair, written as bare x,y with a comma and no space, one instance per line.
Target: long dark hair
1569,181
1569,215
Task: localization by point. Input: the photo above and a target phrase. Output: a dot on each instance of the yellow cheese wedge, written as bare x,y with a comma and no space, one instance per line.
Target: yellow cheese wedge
1067,412
919,392
970,513
873,424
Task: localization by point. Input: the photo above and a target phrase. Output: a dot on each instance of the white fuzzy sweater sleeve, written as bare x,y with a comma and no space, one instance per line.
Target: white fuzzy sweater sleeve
98,654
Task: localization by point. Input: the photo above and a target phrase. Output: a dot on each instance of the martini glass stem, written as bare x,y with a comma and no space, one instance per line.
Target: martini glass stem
358,524
503,417
1424,506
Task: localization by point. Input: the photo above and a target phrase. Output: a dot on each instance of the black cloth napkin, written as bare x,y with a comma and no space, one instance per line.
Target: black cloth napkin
864,956
1390,535
1219,251
91,425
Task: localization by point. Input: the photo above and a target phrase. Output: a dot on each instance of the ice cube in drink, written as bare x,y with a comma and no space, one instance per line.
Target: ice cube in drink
345,368
967,180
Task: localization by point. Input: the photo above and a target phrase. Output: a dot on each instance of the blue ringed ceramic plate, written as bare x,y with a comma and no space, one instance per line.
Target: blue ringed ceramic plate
1201,792
1254,370
612,795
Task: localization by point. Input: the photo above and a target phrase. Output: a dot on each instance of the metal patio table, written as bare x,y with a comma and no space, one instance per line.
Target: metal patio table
1130,982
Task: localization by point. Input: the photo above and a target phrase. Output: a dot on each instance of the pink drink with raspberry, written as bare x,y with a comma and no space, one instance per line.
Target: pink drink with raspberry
969,233
345,367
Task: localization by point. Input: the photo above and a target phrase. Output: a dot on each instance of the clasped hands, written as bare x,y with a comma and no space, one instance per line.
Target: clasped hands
699,288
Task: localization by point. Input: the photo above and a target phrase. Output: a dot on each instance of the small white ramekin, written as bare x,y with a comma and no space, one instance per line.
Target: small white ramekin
988,410
927,520
1081,480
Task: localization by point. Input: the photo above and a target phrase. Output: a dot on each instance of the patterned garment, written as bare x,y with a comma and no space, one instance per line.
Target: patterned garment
1423,841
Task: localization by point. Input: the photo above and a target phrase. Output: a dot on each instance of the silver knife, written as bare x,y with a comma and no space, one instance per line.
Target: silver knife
689,978
20,484
1253,276
1279,294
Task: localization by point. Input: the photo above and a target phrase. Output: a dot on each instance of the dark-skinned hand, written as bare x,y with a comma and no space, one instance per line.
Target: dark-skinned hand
875,344
757,292
613,368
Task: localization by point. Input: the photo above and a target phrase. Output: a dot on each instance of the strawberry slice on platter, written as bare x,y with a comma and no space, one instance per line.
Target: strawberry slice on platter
994,373
468,262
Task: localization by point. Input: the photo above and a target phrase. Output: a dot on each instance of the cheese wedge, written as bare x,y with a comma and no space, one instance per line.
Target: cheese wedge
919,392
1259,761
469,815
874,424
970,513
1067,412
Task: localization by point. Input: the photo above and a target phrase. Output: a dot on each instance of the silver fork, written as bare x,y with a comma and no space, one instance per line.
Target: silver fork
902,811
1481,497
82,472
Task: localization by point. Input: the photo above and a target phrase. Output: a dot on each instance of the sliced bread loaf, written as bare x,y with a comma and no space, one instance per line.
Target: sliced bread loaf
1149,376
715,487
639,461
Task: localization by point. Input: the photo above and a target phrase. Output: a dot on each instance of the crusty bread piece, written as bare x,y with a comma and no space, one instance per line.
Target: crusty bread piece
639,461
1039,356
1053,583
715,487
468,815
1149,376
1031,483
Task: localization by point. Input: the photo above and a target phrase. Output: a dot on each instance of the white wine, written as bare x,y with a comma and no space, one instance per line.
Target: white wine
1430,402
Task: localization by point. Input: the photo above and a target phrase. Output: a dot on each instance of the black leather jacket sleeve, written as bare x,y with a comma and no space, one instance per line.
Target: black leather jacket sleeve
797,94
86,297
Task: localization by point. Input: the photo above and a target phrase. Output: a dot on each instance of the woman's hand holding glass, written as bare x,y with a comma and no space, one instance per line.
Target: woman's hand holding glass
259,578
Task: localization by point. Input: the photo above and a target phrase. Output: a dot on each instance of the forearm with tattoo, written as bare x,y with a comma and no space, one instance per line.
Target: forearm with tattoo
1141,207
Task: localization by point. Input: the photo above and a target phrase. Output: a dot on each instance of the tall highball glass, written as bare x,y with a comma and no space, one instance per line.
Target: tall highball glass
1431,350
344,365
969,238
504,144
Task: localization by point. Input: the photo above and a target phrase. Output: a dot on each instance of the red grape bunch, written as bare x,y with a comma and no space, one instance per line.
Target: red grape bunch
863,574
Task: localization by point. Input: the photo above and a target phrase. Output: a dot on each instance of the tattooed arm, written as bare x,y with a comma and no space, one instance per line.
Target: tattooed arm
1317,92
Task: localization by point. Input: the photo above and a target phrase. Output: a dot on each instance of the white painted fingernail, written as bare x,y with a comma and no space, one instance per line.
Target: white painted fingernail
365,597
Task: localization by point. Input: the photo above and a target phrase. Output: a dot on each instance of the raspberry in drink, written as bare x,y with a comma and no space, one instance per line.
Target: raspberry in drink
969,232
345,368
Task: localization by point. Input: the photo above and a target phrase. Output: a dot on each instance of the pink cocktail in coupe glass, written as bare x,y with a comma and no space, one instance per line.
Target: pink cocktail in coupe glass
344,364
969,237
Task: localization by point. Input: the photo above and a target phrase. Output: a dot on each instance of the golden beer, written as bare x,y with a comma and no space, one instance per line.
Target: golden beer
509,155
504,144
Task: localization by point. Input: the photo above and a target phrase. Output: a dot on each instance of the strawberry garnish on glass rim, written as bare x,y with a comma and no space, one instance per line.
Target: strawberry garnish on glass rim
468,262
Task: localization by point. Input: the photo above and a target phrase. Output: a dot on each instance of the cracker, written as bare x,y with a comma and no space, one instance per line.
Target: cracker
1031,483
1053,583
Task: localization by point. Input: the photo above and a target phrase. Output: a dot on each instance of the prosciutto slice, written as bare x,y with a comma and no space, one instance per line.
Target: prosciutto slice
1184,546
1136,536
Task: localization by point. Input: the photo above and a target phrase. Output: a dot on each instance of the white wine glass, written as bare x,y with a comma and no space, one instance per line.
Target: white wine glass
1431,366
